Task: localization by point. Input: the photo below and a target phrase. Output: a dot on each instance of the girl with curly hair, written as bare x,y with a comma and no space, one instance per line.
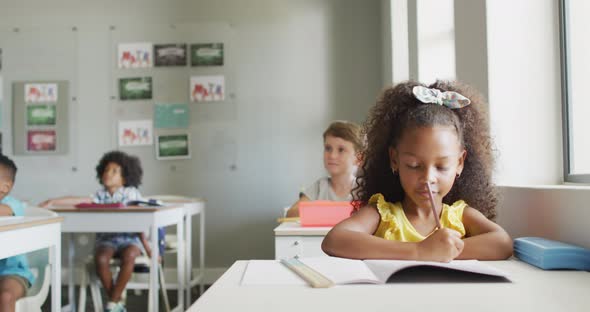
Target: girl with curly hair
422,139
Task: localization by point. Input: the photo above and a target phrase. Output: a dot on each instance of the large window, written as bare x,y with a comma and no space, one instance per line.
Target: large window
575,64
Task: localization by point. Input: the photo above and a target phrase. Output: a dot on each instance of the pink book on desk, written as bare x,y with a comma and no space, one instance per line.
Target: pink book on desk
323,212
95,205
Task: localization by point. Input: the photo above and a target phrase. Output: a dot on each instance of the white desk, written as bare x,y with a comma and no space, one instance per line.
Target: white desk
128,219
192,207
532,289
293,240
19,235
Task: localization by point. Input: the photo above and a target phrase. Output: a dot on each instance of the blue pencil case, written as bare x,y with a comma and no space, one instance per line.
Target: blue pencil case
548,254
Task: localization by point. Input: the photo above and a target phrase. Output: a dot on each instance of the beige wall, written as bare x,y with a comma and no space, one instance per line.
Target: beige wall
554,212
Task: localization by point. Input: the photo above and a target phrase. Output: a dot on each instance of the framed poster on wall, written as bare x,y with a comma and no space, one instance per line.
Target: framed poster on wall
207,54
139,88
173,146
41,115
207,88
41,140
135,55
170,54
135,132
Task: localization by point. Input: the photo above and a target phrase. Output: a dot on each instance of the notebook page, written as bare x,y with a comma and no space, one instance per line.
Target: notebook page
340,270
269,272
383,269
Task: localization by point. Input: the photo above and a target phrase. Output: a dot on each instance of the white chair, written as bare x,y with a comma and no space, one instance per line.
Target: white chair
38,263
138,281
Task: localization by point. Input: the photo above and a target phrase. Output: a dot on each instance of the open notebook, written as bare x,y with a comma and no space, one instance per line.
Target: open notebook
348,271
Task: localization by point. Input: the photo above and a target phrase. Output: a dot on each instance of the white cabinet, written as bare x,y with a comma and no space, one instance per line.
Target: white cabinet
293,240
298,246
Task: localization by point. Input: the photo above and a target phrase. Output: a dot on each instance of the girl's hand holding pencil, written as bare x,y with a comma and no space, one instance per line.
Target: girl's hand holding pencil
443,244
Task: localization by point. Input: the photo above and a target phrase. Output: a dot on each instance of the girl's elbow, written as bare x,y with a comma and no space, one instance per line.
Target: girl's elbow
328,245
506,246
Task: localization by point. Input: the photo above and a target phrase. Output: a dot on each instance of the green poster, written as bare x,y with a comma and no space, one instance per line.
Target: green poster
41,115
173,146
207,54
171,116
139,88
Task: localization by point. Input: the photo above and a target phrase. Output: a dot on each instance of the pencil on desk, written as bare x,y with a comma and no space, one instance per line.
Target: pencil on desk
433,206
291,219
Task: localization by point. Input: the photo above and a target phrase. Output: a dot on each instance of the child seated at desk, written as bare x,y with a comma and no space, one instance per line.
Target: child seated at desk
15,276
425,188
120,175
343,145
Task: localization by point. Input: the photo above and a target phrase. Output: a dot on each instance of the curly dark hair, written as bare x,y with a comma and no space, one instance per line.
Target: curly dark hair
130,167
9,166
397,109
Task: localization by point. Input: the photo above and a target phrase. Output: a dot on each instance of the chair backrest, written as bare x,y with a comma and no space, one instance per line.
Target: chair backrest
40,258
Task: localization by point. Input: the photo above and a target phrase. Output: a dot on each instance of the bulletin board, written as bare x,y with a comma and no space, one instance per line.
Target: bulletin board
44,60
40,117
172,100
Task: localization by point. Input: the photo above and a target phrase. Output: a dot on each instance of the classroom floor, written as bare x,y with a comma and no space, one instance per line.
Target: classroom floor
134,303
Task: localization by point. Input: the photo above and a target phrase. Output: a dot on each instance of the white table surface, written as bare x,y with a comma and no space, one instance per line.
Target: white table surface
295,229
128,219
531,289
20,235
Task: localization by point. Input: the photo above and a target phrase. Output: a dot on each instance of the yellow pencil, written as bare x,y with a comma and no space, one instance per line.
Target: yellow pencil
433,206
292,219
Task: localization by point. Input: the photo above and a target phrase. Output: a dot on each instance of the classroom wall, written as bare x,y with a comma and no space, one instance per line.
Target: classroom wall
524,90
296,65
549,211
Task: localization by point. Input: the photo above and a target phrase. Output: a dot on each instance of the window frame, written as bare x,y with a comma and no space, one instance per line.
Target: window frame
565,96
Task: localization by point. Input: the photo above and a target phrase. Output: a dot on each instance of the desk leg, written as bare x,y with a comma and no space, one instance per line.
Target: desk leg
55,260
189,262
153,291
181,263
202,252
71,284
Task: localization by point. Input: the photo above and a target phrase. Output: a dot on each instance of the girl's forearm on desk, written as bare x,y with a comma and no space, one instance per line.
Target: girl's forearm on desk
358,245
488,246
65,201
5,210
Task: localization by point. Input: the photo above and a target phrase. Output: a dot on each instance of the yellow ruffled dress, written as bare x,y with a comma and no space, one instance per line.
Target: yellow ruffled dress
394,224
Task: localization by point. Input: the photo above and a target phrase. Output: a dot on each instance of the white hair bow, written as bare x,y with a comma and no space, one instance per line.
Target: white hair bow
449,99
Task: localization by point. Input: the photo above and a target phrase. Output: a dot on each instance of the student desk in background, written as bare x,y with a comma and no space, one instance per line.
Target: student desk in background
532,289
192,207
128,219
293,240
19,235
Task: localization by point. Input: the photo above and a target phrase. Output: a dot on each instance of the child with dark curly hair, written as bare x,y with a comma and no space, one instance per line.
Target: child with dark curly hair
422,138
120,175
